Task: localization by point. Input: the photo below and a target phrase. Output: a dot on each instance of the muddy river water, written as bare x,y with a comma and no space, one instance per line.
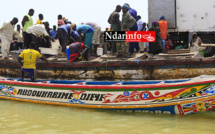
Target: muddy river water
30,118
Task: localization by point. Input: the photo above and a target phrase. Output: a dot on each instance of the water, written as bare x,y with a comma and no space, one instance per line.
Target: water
22,117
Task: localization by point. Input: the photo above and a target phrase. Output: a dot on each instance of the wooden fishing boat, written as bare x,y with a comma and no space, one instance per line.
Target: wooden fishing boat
99,69
181,96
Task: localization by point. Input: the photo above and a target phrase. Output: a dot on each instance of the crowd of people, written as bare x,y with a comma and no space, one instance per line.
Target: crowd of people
88,33
82,38
132,22
41,34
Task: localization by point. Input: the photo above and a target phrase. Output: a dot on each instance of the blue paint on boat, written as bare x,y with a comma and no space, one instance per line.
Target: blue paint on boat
2,86
139,82
64,82
108,82
176,81
166,109
101,82
28,80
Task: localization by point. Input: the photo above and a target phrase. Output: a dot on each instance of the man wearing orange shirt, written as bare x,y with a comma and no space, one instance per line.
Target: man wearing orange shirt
163,28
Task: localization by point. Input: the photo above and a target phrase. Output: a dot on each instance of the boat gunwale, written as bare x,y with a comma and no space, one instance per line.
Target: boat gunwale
105,87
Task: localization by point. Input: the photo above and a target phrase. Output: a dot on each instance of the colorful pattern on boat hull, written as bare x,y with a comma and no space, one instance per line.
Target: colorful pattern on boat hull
184,101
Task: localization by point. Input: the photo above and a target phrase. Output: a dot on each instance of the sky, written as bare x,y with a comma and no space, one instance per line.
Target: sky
76,11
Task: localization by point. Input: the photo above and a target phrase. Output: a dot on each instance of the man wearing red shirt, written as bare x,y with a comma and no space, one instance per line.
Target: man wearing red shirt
60,22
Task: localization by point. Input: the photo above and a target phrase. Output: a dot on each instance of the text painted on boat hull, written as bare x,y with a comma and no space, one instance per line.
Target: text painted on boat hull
60,95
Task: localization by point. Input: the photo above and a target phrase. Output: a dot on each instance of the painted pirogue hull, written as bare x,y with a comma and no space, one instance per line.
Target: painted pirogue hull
171,97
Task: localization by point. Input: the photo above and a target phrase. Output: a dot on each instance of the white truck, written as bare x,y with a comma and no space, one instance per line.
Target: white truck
185,17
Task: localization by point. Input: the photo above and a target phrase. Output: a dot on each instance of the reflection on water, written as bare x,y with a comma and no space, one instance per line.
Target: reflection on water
21,117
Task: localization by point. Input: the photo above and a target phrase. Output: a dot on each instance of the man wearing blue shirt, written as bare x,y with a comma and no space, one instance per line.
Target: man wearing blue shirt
63,35
85,29
53,32
74,37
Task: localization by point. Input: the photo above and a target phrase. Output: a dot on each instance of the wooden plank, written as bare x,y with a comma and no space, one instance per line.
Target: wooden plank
51,58
177,56
139,55
106,56
112,57
180,51
197,55
136,56
61,59
208,45
182,54
97,59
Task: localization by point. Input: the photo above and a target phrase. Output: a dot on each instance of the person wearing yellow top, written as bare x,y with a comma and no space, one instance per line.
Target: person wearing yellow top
29,57
40,19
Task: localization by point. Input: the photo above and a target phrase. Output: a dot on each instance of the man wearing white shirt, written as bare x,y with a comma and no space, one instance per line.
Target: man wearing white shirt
37,32
6,34
141,27
139,23
18,38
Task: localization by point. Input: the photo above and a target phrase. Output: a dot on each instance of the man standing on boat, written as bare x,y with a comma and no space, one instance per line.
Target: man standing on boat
40,19
53,32
127,22
141,27
163,28
26,23
29,57
6,34
155,47
18,37
115,23
133,45
60,22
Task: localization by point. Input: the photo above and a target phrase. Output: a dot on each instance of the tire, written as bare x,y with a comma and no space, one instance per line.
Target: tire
208,39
